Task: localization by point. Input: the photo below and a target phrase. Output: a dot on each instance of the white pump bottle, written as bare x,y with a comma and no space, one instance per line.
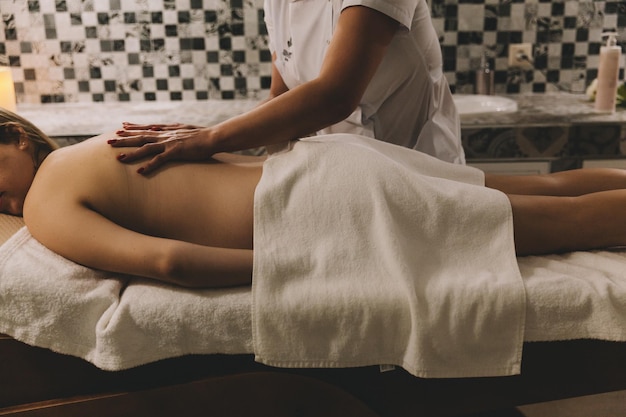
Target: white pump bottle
608,73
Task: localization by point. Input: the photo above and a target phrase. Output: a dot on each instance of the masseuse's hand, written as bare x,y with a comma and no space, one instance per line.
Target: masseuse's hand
161,143
127,126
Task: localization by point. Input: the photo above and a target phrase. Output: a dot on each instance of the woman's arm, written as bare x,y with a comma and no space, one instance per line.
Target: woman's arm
356,50
82,235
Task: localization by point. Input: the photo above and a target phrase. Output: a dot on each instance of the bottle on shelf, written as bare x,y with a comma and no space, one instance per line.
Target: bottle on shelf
608,73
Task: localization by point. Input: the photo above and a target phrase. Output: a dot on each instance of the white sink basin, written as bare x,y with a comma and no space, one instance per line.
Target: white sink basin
476,104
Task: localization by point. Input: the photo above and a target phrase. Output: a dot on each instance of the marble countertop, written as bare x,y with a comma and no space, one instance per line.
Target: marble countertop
547,109
86,119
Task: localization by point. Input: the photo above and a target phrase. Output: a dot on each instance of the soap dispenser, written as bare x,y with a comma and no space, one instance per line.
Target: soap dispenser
485,77
608,73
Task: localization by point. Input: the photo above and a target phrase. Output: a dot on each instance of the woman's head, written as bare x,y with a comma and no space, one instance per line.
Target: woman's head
14,127
23,147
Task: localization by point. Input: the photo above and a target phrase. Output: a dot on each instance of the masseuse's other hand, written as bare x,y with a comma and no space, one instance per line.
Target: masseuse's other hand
161,143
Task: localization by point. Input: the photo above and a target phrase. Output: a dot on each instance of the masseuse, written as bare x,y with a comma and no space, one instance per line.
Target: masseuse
369,67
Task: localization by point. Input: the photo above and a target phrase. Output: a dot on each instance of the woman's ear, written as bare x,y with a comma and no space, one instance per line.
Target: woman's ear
23,142
14,133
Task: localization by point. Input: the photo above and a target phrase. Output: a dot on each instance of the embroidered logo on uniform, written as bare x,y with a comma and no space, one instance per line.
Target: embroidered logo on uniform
287,51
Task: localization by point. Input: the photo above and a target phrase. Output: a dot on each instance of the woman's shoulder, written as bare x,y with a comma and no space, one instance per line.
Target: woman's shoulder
78,154
72,166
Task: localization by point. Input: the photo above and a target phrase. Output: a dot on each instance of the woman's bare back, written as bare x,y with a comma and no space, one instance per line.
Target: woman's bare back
208,205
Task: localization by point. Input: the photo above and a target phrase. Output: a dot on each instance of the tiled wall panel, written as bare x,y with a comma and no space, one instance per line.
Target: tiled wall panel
143,50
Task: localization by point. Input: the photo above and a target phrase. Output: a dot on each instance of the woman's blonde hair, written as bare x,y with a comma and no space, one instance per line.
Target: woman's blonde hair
13,127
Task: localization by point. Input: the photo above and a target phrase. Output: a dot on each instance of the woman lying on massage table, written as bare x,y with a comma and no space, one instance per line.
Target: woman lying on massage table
192,223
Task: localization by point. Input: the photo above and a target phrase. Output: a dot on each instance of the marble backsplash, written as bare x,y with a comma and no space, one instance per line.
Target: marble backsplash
181,50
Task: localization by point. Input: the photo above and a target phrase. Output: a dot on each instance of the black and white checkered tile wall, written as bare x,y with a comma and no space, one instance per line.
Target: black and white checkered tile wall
143,50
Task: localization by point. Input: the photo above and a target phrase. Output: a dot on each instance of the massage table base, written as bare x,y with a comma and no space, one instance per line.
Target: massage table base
38,382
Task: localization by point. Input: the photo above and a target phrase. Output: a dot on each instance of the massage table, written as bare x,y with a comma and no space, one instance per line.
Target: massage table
36,381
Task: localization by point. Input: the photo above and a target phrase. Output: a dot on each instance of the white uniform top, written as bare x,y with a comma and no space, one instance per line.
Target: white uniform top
408,102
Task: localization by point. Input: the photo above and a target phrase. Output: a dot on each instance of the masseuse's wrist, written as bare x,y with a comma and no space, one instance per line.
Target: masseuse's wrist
222,138
212,140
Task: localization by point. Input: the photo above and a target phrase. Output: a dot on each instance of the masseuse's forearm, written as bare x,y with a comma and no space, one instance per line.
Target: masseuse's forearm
296,113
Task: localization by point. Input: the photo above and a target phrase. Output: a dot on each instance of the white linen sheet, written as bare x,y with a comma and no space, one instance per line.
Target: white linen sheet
117,323
110,320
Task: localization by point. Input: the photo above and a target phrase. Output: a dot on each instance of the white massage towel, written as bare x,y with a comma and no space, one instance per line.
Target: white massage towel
367,253
112,321
578,295
571,296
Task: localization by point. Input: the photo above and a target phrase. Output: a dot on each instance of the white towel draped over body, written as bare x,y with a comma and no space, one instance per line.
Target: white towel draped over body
367,253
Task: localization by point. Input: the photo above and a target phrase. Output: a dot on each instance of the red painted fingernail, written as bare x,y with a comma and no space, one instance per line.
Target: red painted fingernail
141,170
110,141
121,156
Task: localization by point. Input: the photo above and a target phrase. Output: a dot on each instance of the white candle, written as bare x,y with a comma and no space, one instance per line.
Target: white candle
7,90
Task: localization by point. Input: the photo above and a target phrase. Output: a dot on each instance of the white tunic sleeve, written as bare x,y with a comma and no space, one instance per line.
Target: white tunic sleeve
269,24
399,10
